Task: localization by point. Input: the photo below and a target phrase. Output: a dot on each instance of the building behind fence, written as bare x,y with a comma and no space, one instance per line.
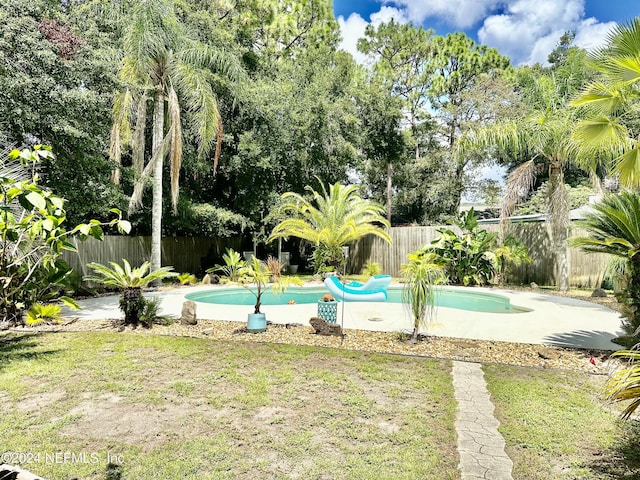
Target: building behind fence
193,255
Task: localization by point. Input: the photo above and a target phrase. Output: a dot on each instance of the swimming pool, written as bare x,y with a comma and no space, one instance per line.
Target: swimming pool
462,299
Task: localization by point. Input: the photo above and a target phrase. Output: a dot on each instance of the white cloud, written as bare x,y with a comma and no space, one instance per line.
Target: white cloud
528,30
351,30
525,30
385,14
459,14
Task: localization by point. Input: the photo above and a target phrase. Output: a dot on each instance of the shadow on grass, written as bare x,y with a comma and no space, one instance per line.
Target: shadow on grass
113,472
21,347
622,461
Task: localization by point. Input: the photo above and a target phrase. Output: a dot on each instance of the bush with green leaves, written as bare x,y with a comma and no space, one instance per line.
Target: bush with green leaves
33,236
371,269
468,257
233,264
130,281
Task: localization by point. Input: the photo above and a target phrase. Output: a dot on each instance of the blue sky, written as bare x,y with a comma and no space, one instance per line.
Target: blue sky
525,30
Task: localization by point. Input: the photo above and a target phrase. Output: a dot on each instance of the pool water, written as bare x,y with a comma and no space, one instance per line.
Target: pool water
475,301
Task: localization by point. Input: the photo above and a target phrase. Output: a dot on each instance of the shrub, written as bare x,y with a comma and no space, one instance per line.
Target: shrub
232,267
371,269
467,258
33,236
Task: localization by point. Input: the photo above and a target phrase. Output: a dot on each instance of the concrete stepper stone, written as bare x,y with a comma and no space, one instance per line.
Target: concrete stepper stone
480,445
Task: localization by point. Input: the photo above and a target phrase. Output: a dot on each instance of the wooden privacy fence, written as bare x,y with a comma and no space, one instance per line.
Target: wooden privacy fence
193,255
185,254
585,270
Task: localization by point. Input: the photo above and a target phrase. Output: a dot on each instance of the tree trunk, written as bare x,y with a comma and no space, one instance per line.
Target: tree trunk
632,312
389,190
156,208
559,223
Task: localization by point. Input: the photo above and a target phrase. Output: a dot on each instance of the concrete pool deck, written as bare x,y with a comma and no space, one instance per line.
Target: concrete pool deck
553,320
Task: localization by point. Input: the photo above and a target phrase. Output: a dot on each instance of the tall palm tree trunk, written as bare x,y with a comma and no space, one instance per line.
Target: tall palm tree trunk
559,223
389,189
156,208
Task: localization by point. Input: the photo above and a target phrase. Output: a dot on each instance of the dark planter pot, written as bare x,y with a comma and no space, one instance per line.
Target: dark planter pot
256,322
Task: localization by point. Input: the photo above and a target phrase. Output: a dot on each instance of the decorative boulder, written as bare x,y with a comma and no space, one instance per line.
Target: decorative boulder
323,328
188,316
206,280
598,292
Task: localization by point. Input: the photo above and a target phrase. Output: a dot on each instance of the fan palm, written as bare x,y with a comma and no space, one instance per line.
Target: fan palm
614,228
164,68
611,102
330,220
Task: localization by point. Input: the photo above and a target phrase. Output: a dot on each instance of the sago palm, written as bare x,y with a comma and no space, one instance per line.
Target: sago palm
611,104
614,228
130,281
165,69
330,220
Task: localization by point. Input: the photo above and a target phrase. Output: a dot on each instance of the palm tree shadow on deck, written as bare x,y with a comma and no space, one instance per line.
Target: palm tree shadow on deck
21,347
583,339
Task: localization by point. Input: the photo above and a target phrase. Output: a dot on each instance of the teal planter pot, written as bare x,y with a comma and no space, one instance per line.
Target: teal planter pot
328,311
256,322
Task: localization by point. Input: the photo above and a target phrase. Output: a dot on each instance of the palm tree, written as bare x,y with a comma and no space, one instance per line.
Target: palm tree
164,68
610,103
545,138
330,221
614,228
420,274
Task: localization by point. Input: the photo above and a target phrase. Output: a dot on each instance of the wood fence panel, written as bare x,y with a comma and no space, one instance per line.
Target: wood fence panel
585,270
194,255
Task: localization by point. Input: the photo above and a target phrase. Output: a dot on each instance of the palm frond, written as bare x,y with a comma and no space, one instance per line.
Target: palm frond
138,135
175,148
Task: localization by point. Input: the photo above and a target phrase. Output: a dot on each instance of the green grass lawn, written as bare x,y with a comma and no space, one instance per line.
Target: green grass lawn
557,427
177,408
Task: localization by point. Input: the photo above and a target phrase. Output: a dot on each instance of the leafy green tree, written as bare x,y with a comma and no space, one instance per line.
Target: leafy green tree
32,237
614,228
162,65
130,281
459,64
611,105
56,78
330,220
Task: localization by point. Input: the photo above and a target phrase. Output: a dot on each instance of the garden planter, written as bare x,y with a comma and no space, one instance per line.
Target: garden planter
328,311
256,322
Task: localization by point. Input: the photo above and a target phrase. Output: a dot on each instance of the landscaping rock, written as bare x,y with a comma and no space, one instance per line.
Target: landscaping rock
188,316
534,286
549,353
206,280
323,328
598,292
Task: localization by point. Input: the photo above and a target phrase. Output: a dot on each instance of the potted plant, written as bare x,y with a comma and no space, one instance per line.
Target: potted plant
328,309
255,276
420,274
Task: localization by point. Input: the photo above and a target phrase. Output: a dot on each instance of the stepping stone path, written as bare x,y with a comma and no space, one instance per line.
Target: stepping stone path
480,445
